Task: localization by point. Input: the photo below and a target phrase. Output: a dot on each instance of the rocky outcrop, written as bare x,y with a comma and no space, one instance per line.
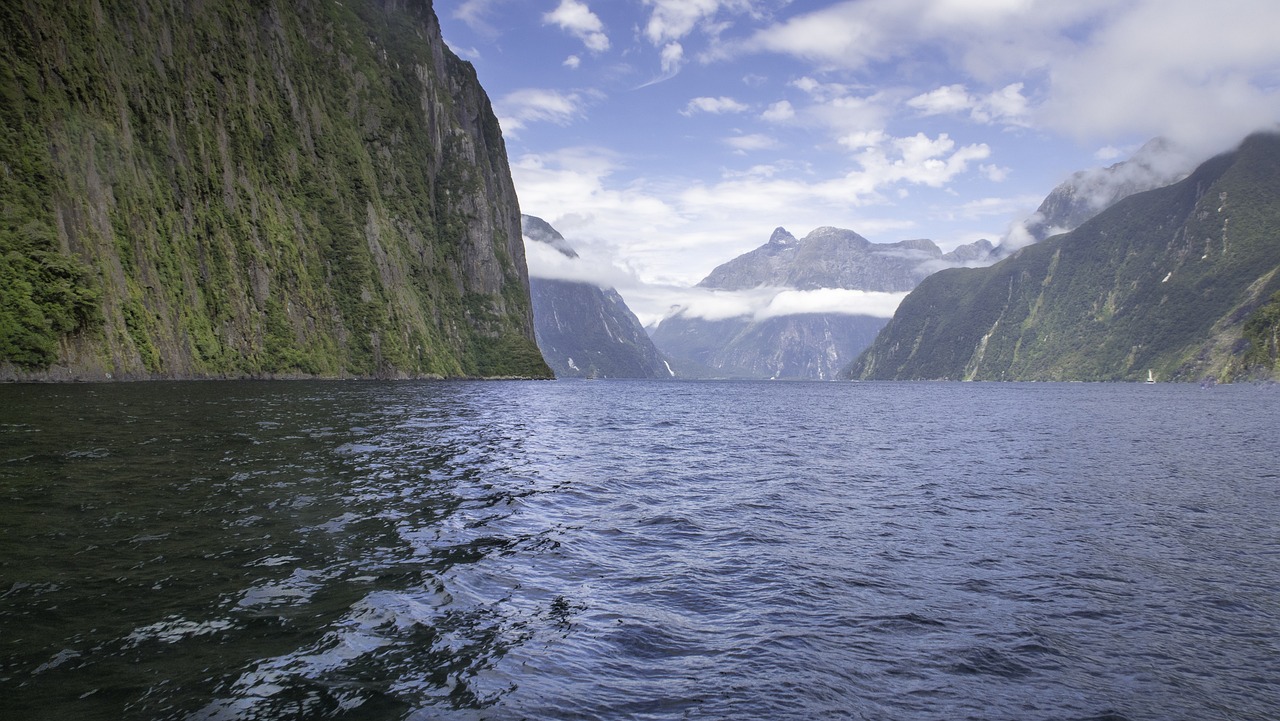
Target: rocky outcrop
253,189
585,331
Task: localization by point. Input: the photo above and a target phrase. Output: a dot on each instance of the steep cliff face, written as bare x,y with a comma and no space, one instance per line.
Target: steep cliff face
252,188
585,331
1183,281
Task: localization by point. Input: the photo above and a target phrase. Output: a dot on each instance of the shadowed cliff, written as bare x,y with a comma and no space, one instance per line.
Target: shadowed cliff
241,188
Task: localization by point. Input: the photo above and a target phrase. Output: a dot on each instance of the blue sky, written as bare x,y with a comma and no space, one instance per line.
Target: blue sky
664,137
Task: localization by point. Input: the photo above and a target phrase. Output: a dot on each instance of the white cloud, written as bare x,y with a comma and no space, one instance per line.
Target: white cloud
945,100
715,106
572,62
530,105
1006,105
1200,73
754,141
675,19
996,207
546,262
779,112
985,39
1108,153
995,173
475,13
831,300
575,18
672,58
919,160
764,303
822,92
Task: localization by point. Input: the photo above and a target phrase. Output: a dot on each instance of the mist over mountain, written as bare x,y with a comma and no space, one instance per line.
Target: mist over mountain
1182,281
826,258
585,331
825,296
1088,192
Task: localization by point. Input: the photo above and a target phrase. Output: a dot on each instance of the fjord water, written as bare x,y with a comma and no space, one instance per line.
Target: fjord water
639,550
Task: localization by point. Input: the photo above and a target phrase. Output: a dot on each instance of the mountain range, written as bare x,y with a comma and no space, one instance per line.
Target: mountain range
814,345
1182,282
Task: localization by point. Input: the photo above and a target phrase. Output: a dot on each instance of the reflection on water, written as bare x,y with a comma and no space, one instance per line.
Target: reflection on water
273,549
637,550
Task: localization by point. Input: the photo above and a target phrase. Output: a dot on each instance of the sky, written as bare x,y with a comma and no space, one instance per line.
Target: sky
665,137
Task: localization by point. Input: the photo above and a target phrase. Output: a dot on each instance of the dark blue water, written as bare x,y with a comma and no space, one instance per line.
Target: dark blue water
618,550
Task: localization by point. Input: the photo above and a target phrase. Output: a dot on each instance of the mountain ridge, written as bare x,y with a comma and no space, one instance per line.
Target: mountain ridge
811,345
1180,280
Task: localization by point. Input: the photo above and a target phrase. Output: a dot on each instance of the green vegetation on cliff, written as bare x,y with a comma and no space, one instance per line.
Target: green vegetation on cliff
252,188
1175,280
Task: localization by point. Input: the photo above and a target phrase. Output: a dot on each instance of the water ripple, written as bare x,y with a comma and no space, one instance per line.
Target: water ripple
638,551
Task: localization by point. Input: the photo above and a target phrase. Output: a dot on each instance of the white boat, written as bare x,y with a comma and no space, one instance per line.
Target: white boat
1150,378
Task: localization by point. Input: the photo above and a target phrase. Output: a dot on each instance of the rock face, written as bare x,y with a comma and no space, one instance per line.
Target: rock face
810,346
826,258
1182,280
252,189
1088,192
585,331
813,346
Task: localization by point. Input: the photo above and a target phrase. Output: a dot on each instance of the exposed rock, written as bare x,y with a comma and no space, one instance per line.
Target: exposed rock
585,331
246,189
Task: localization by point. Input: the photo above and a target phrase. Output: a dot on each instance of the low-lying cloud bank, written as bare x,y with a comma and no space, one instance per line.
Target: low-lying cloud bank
764,303
651,302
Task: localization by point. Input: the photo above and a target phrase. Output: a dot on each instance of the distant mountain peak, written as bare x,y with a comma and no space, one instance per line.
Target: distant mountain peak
781,237
535,228
1086,193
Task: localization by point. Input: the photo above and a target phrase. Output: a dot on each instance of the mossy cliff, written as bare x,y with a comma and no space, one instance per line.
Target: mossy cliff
248,188
1182,281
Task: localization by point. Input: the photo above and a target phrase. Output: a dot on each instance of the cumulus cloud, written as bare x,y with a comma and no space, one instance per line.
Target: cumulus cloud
779,112
945,100
920,160
985,39
672,58
531,105
715,106
1006,105
995,173
1201,73
572,62
674,19
575,18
